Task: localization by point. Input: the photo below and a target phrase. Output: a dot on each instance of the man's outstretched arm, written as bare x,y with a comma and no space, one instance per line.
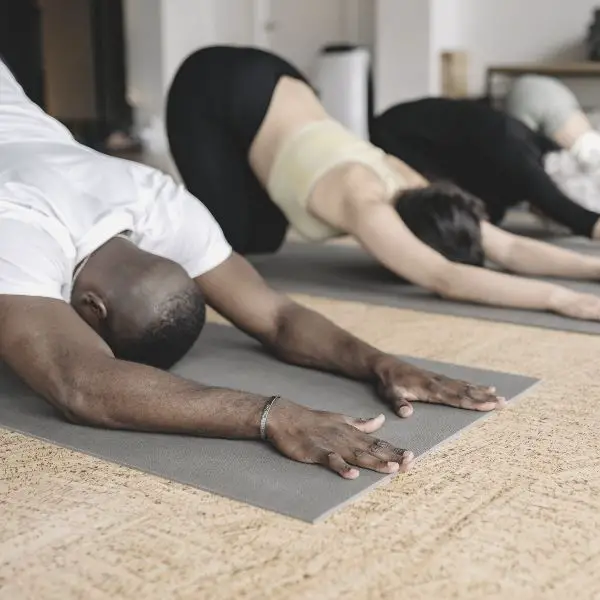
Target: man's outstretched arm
60,357
303,337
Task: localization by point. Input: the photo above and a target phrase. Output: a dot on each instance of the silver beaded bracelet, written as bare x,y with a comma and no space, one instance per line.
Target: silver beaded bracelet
265,415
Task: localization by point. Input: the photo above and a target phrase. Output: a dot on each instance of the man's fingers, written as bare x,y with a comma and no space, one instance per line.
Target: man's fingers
400,397
400,392
390,454
336,463
366,425
408,458
481,394
402,407
480,406
462,394
363,458
477,397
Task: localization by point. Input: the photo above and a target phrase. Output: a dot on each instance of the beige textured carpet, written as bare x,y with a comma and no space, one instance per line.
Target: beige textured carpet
509,510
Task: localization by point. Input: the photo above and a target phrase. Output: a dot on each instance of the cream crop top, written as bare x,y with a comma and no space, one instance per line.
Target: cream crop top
310,154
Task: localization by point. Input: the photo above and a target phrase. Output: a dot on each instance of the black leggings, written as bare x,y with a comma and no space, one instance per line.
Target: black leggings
216,104
482,150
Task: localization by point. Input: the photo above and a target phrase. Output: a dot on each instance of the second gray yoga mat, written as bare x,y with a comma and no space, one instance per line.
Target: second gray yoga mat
254,472
346,272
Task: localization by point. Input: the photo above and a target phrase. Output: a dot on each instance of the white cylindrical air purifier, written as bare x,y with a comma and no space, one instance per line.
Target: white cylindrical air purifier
343,80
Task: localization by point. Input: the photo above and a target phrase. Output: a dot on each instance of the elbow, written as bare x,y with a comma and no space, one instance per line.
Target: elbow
78,408
277,337
73,390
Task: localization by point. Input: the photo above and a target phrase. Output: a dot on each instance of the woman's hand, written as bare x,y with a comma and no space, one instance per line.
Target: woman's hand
576,305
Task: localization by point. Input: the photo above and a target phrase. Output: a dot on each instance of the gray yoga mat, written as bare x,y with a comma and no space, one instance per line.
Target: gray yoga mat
347,272
254,472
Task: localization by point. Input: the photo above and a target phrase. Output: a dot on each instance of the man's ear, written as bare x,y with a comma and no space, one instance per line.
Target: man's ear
92,310
95,304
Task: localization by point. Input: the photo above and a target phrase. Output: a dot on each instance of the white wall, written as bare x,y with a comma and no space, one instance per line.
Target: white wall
145,72
234,20
361,23
186,25
302,27
410,36
159,35
509,31
447,31
402,51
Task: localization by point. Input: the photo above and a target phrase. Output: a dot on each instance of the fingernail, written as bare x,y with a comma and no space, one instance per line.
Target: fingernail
405,411
393,466
492,390
408,456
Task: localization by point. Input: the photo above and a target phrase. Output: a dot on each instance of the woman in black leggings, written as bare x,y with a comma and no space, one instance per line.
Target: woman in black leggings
484,151
216,105
254,144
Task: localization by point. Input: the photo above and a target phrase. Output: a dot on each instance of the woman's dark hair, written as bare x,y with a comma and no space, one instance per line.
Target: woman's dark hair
447,219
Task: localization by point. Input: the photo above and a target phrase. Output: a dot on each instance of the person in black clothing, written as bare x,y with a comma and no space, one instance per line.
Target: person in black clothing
252,141
485,152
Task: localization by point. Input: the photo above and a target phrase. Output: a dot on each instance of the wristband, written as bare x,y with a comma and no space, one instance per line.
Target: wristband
265,416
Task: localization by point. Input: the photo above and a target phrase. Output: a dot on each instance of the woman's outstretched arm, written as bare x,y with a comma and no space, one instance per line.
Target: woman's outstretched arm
379,229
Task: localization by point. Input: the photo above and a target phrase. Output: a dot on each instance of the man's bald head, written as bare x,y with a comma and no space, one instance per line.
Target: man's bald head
145,307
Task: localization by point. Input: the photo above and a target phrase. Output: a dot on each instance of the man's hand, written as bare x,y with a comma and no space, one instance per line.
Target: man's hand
400,383
335,441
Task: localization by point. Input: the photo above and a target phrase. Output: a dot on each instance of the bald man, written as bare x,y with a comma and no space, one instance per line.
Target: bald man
105,266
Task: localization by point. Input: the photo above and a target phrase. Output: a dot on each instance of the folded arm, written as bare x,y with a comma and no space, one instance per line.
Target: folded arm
383,234
532,257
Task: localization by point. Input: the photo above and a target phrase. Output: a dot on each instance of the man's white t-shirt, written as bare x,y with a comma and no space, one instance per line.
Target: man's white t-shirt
60,201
